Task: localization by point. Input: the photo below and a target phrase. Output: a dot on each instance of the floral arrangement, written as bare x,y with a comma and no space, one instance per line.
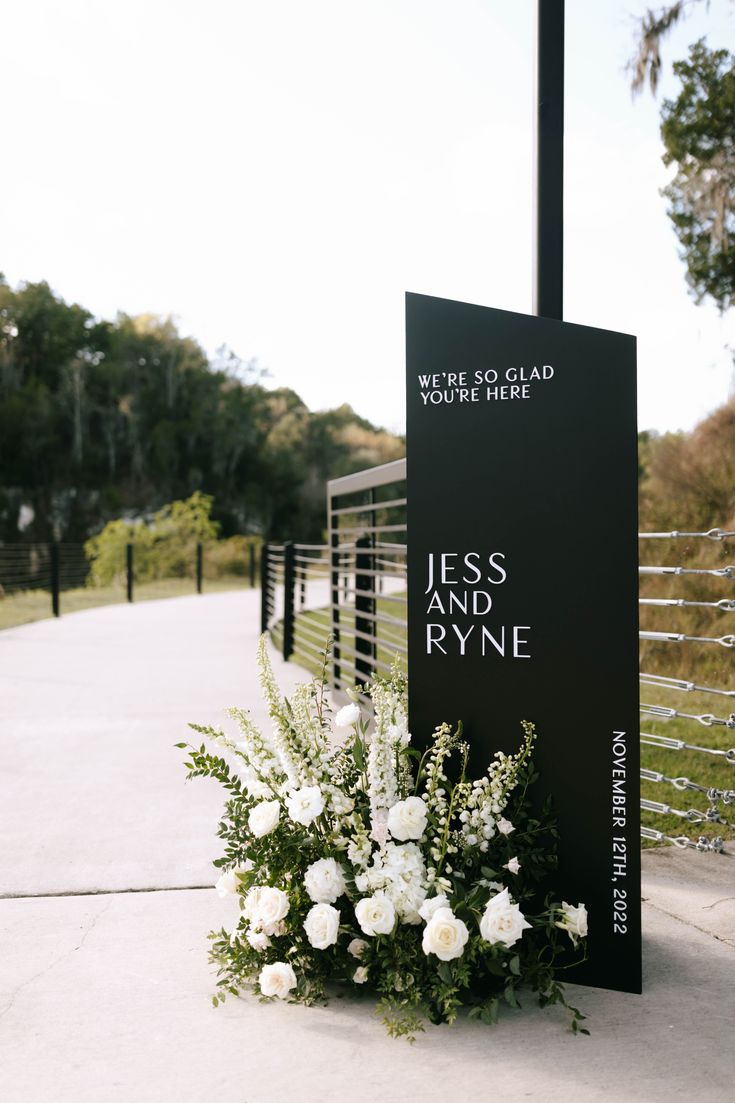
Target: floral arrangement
358,861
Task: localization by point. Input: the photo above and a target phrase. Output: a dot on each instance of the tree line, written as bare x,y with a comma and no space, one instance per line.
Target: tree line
105,419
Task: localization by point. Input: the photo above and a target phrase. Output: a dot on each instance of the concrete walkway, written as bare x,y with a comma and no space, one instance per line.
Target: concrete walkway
104,982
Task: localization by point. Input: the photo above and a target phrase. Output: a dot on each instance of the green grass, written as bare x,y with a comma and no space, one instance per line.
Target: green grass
31,605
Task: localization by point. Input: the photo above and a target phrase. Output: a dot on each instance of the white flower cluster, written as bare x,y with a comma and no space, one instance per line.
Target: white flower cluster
398,873
262,917
375,848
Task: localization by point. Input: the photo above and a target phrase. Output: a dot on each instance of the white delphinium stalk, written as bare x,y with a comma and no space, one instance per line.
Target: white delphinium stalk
384,770
483,817
258,753
308,737
284,745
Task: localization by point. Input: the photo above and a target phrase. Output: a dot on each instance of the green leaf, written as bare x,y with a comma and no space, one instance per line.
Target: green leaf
445,972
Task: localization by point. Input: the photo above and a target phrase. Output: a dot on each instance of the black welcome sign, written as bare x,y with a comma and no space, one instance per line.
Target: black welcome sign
523,581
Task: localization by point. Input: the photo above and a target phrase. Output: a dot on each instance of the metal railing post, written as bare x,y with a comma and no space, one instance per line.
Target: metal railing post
334,584
364,603
129,570
251,565
288,598
200,566
264,588
55,578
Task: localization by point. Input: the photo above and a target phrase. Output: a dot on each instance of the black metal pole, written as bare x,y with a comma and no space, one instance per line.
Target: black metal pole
364,603
200,567
549,161
264,587
129,570
55,579
334,593
288,598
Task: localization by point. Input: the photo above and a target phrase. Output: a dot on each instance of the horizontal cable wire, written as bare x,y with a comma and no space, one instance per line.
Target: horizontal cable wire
711,534
679,637
706,718
715,572
703,844
670,744
681,685
725,605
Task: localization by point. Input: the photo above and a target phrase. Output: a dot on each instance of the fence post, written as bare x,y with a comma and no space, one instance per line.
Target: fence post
129,570
288,598
364,603
55,578
334,593
252,566
264,588
200,566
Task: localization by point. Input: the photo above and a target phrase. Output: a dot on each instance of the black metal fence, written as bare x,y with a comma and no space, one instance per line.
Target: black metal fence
352,588
60,567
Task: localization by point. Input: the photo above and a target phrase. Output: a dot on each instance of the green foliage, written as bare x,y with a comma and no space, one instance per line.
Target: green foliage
102,419
698,131
165,548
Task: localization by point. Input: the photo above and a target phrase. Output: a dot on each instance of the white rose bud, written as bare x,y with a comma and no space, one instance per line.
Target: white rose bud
505,826
360,975
263,818
265,907
304,805
445,935
324,881
407,819
428,907
573,921
258,940
322,926
357,947
228,883
375,914
347,716
277,979
513,866
502,921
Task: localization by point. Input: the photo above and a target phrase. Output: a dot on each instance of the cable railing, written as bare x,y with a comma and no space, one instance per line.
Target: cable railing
60,567
353,587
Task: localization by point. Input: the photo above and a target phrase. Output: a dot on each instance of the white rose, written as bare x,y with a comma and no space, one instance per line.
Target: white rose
265,907
502,921
573,921
505,826
277,979
445,935
357,947
347,716
258,940
375,914
304,805
360,975
324,881
428,907
229,882
513,866
407,819
322,926
263,818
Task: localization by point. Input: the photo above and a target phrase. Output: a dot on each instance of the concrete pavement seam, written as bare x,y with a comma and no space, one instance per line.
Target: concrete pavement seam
672,915
99,892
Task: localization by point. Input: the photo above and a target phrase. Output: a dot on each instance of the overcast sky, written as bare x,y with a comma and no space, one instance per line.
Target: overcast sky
277,173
